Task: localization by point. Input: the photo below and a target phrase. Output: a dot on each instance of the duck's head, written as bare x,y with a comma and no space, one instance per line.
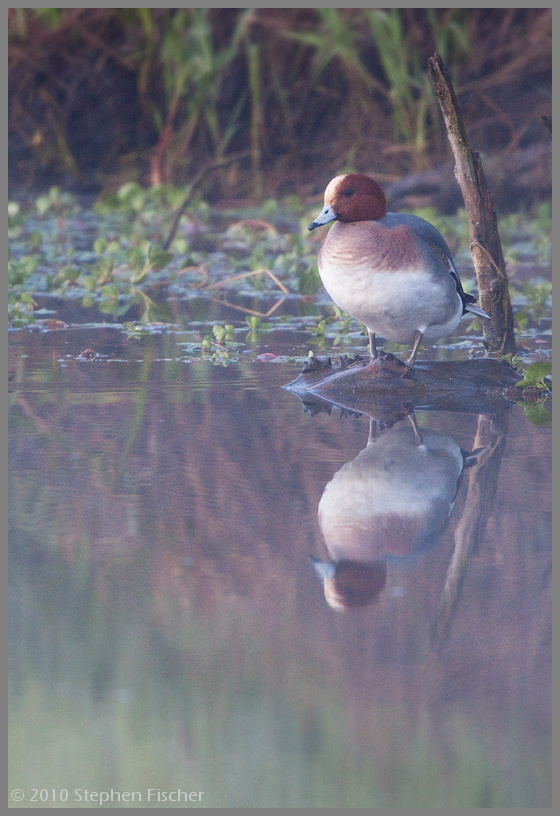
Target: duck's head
352,197
351,584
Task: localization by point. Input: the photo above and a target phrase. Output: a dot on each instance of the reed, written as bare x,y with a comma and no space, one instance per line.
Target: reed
291,89
409,88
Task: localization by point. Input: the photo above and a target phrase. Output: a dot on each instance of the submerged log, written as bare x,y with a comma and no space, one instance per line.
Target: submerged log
387,389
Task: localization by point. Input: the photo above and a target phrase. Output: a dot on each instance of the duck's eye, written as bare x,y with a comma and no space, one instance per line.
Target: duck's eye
348,193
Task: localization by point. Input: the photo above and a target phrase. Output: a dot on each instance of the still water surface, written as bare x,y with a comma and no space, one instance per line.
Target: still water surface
169,630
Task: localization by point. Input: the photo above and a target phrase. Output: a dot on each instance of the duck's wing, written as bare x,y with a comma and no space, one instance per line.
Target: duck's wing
435,241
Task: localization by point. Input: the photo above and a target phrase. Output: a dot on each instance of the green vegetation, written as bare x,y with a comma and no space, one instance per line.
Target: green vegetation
537,375
126,232
235,258
125,265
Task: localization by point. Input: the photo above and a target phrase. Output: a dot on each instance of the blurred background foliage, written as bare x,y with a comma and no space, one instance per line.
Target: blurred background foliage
276,98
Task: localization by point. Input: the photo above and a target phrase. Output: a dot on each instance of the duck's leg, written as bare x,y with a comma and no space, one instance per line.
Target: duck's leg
417,340
418,440
372,345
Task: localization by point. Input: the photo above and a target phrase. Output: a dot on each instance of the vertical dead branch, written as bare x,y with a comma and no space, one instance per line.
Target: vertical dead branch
485,244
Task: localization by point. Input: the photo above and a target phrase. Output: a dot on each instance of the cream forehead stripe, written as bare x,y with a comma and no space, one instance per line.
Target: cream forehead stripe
332,187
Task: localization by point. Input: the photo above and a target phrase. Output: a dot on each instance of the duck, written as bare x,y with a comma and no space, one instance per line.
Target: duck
391,271
388,507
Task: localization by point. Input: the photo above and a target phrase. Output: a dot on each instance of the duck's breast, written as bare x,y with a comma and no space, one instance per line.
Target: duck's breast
387,275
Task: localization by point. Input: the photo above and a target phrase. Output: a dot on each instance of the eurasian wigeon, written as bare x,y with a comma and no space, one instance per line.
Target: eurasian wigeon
392,272
389,506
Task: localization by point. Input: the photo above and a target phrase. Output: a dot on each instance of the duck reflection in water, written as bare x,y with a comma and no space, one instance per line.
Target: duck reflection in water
389,505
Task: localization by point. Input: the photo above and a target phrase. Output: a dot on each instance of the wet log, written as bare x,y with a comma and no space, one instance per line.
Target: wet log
387,389
485,244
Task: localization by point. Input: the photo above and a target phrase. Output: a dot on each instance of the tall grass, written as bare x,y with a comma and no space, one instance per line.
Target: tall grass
294,88
410,91
192,71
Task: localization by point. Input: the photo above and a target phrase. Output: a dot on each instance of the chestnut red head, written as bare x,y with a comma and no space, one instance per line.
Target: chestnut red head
350,198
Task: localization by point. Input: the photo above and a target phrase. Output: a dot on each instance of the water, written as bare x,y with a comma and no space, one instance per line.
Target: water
169,631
